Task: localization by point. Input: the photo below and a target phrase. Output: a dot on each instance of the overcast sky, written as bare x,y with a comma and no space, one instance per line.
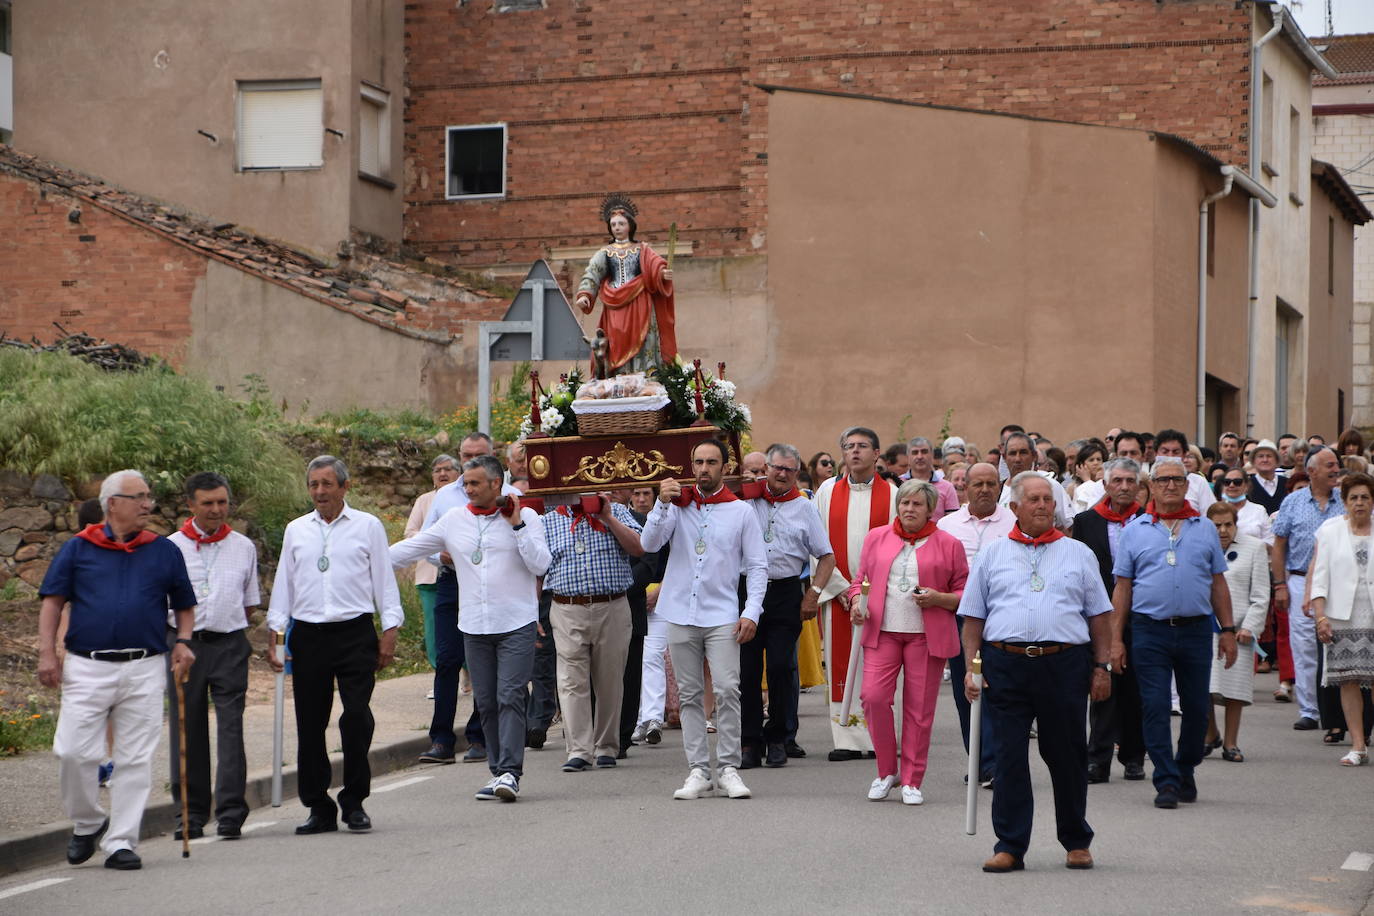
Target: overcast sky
1347,16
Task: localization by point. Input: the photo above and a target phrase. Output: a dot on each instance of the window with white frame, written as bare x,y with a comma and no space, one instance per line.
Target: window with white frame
476,161
374,132
280,125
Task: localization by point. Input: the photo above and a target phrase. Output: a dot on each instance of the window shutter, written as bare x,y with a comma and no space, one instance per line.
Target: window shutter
370,139
281,128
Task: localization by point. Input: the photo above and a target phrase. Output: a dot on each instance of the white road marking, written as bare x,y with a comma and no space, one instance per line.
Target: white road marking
247,828
31,886
1358,861
402,783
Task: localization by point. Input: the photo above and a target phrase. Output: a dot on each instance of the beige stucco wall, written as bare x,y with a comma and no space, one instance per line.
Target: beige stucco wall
128,106
309,353
379,58
1330,316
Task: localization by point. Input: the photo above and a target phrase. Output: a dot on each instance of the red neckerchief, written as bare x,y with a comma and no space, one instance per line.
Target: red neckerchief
577,515
1104,509
490,510
758,489
925,531
191,531
1049,537
97,535
691,495
838,517
1186,512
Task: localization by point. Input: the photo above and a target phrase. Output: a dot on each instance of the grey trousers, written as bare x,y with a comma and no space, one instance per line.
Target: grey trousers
689,646
499,665
219,676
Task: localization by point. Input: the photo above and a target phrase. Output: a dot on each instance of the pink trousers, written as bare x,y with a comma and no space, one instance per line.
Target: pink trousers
904,653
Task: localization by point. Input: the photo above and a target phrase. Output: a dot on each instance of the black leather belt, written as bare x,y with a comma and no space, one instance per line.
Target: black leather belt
116,655
1173,621
1032,649
1297,572
587,599
212,636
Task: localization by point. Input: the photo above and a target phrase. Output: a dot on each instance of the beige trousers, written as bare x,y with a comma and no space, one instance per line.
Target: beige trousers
592,641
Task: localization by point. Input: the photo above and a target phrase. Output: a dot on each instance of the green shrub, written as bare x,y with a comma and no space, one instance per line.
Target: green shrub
25,727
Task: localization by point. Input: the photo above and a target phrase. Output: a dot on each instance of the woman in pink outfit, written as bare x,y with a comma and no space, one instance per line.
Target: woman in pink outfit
916,574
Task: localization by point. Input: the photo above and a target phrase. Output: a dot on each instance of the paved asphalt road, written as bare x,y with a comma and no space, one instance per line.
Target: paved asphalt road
1275,834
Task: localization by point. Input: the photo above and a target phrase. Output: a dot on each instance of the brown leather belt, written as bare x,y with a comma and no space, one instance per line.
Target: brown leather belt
1032,650
587,599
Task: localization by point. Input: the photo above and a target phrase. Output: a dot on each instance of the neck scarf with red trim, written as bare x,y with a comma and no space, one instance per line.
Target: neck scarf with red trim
100,537
691,495
926,531
192,531
1104,509
758,489
1020,537
837,523
490,510
576,513
1186,512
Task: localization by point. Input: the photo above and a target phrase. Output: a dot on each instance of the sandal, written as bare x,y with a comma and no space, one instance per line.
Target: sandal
1209,746
1232,754
1284,694
1333,736
1355,759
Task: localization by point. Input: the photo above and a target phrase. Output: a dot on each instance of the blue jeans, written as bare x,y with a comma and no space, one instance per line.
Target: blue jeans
449,656
500,665
1184,652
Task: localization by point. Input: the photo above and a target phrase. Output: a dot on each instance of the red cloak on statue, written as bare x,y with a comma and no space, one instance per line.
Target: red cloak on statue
625,311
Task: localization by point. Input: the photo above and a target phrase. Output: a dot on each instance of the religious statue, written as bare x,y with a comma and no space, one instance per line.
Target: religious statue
635,286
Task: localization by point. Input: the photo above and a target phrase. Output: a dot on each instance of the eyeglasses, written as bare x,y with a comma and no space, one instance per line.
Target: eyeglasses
825,463
1234,481
136,497
852,446
783,469
1171,481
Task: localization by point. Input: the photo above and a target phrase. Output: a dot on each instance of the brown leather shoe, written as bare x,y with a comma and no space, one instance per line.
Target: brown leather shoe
1003,862
1078,858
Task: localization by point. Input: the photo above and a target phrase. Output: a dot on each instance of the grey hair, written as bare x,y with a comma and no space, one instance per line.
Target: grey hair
1124,464
920,440
1018,483
487,464
864,431
113,484
1076,443
440,459
1314,455
328,461
782,448
512,447
477,434
1170,461
910,488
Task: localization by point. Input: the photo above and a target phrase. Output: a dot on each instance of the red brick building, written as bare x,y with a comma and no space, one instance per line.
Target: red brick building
664,102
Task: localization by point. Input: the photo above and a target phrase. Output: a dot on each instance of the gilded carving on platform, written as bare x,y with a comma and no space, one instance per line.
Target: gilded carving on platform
622,463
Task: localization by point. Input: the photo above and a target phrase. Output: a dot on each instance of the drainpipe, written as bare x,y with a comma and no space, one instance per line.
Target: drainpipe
1228,173
1256,144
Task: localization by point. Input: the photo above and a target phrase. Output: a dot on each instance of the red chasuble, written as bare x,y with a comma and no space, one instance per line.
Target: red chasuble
837,526
625,311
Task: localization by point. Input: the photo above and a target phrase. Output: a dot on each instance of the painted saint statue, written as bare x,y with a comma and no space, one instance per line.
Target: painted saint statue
635,287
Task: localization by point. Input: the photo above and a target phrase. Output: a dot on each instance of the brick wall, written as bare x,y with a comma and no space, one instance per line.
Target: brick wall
662,102
100,275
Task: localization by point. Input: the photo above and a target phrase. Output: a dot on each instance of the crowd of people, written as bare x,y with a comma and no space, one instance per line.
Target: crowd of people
1104,588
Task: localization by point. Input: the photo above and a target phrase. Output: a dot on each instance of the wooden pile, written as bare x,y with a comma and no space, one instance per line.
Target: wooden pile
111,357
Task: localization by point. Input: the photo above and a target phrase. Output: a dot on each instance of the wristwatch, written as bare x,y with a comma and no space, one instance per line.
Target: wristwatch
1105,666
517,527
817,589
184,640
1230,630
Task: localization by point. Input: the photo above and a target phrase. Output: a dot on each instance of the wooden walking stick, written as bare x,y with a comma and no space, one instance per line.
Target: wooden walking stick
179,680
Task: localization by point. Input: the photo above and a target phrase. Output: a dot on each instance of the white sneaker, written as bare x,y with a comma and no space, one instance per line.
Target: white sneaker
881,787
430,694
507,787
912,796
654,733
698,785
732,784
487,792
637,735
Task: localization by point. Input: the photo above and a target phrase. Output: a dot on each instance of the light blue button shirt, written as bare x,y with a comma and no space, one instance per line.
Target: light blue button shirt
1159,589
999,592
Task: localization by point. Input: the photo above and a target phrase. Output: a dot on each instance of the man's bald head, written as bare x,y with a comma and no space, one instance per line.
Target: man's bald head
982,486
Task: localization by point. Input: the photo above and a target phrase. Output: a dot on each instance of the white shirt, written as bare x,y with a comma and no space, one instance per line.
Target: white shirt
797,535
702,589
901,613
497,593
1252,520
225,576
358,579
1063,514
1200,495
976,533
1088,494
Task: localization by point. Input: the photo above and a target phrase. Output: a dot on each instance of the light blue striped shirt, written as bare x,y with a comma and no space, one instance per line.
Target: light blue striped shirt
999,591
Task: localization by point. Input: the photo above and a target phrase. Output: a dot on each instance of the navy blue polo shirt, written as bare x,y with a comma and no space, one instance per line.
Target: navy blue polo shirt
119,599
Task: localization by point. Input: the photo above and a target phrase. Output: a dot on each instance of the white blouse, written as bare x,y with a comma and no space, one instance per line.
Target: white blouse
901,613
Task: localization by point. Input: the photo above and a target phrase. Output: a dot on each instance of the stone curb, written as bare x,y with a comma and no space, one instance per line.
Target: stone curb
47,845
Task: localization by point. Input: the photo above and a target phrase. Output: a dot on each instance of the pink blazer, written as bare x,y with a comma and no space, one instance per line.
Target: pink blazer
941,565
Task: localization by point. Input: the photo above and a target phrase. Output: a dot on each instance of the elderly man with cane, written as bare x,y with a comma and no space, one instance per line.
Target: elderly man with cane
120,580
1035,608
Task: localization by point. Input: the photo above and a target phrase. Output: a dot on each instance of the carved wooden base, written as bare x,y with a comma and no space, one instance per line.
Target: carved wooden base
584,464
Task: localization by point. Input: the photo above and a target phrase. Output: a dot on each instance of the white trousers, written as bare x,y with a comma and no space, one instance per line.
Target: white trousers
129,695
1302,642
653,688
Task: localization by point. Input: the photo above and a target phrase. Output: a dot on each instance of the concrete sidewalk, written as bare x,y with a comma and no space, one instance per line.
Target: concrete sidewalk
31,834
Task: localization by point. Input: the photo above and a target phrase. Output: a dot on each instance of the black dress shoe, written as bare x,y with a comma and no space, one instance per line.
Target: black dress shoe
794,750
535,737
124,860
1097,774
776,756
1167,797
749,759
317,824
1187,790
358,821
840,754
621,754
197,831
1305,724
1135,771
229,830
82,846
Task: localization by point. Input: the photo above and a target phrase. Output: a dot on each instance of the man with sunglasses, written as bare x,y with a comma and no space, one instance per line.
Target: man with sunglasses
792,537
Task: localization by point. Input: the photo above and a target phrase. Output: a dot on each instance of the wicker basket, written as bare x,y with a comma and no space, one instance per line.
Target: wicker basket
625,423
